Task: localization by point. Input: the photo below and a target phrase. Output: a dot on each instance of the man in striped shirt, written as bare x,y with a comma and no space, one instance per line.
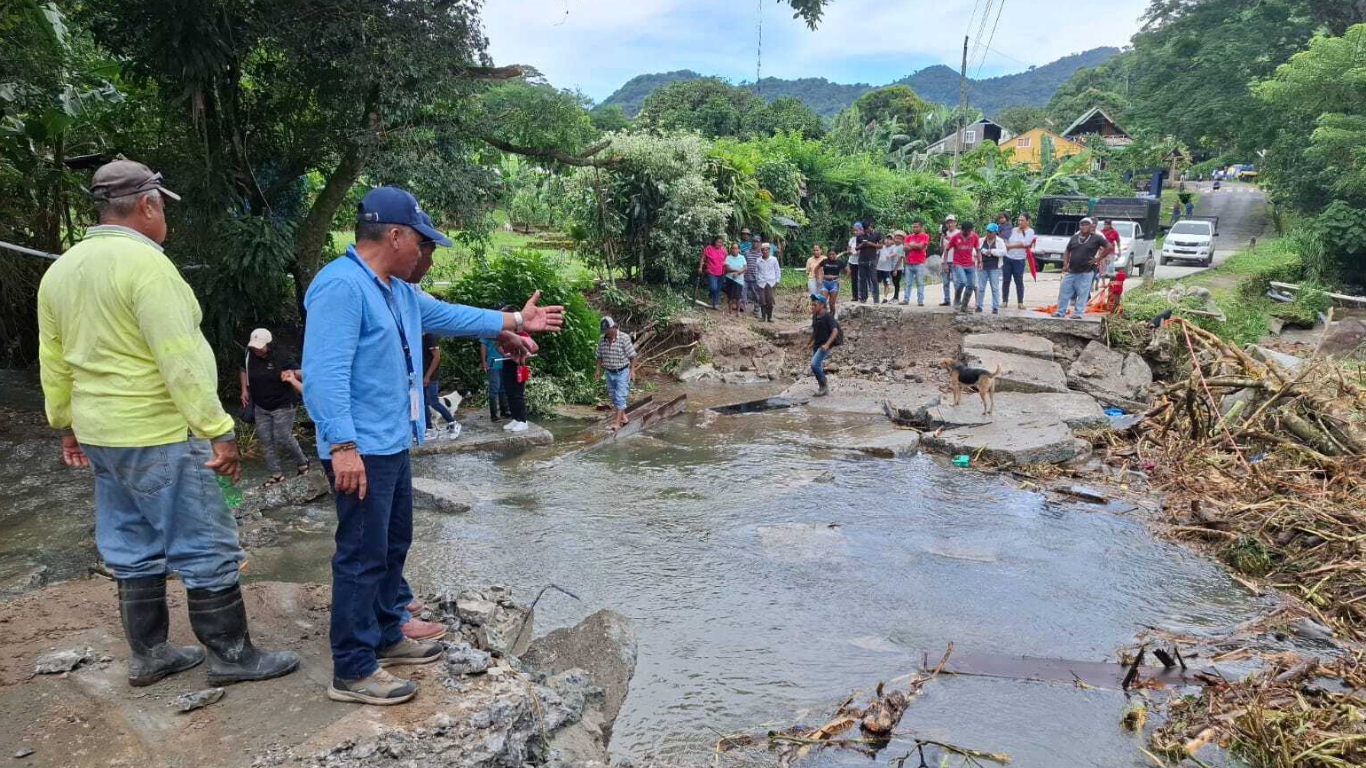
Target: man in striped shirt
617,356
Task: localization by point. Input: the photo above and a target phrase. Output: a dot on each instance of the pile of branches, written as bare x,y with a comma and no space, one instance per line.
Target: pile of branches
1297,713
1267,465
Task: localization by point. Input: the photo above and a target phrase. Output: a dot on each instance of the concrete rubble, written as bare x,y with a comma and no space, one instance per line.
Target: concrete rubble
1036,323
189,702
440,495
290,492
1042,439
57,662
1014,343
1112,377
1019,373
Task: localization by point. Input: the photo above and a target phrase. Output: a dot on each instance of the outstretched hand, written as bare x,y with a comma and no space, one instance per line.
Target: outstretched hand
538,319
516,346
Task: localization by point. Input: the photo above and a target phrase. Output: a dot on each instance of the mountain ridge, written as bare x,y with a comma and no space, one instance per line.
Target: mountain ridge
936,83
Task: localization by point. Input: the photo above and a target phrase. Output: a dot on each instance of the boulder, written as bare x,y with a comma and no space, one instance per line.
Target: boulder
1111,376
697,373
604,645
1042,440
1015,343
1019,373
1344,338
440,495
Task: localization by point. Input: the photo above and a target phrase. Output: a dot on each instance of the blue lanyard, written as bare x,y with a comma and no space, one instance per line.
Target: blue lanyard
398,324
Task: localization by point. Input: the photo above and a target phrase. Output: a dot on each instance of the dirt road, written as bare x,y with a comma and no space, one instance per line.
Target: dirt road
1243,215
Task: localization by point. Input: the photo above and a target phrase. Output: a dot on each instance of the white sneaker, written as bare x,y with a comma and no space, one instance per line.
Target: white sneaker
452,431
517,426
432,434
509,425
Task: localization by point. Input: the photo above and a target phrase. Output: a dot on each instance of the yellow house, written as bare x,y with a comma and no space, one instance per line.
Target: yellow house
1028,147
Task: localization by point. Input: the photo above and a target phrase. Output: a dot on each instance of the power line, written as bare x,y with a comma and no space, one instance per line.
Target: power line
759,52
991,38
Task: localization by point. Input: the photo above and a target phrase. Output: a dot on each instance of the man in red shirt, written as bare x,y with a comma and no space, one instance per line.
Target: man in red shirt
963,245
917,251
1111,234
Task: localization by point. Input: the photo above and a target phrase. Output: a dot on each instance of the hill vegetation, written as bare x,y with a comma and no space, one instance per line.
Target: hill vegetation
937,85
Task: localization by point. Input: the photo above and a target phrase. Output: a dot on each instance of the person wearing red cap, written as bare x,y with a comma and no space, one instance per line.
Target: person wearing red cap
131,383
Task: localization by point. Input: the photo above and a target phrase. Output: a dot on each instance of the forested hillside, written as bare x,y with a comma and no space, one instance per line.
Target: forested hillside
937,84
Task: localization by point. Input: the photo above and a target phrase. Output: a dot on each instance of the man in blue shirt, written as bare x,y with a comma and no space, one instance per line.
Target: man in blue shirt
362,372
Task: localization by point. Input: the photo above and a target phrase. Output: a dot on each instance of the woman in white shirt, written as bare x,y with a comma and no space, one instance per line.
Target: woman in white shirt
1018,245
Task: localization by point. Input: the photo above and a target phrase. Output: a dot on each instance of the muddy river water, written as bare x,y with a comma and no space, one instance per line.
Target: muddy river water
763,591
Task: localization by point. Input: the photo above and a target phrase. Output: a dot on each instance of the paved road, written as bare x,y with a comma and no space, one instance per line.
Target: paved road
1243,215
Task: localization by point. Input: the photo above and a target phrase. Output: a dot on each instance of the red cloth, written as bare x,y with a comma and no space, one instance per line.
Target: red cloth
1033,267
917,247
964,249
1111,235
716,260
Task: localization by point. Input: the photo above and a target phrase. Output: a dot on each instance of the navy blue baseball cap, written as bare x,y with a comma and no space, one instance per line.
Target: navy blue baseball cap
391,205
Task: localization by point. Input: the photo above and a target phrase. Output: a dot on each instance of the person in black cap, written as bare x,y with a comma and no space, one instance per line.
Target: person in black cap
119,327
362,385
825,336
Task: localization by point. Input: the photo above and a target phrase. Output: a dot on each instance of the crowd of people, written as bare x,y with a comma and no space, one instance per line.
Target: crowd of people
133,391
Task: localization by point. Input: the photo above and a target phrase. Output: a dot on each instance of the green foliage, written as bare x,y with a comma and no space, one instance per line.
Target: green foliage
1334,244
1247,555
510,279
707,106
242,284
1019,119
786,114
895,102
609,118
540,116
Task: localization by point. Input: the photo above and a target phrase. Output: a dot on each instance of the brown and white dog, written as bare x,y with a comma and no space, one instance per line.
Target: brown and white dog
978,379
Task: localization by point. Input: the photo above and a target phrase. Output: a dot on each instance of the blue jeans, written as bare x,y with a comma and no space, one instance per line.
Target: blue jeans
992,278
1076,287
714,289
405,596
431,396
618,387
947,276
373,536
495,379
750,298
964,283
159,509
1013,270
818,364
915,273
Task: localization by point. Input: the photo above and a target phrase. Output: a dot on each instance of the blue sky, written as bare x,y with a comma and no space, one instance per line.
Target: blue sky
596,45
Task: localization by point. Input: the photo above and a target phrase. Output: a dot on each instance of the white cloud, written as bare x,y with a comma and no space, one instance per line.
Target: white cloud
596,45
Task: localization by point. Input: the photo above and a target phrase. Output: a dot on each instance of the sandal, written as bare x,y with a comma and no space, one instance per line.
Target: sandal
276,480
303,468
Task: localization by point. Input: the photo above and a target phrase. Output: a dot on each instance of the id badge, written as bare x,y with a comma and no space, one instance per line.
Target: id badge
413,408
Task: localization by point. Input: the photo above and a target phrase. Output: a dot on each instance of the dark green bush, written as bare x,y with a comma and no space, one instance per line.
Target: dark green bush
511,278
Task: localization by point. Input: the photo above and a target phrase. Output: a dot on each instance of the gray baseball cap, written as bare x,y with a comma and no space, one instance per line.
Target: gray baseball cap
122,178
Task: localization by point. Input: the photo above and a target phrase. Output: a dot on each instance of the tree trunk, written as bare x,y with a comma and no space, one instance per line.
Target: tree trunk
308,248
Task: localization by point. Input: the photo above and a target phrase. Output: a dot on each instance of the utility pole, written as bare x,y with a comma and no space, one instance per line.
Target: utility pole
962,112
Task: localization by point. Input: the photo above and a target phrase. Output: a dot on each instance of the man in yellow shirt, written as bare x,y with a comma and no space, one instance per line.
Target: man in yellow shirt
130,381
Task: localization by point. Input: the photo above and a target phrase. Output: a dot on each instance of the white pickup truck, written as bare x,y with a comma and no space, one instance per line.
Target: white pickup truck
1136,219
1191,239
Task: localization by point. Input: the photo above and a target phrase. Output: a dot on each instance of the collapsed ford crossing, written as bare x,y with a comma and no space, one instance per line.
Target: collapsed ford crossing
1136,218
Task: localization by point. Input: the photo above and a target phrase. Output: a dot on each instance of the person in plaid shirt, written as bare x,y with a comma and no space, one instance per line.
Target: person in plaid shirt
617,356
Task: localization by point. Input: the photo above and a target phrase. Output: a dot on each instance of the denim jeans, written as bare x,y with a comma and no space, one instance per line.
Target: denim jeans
751,295
915,274
159,509
495,379
1076,288
618,386
373,536
989,278
964,283
275,429
431,395
405,596
1013,270
714,289
947,276
818,364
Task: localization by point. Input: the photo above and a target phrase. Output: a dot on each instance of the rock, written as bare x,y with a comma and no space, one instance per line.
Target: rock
1312,630
473,608
1044,439
604,645
1075,409
1026,344
189,702
576,688
290,492
1030,322
1287,362
697,373
1019,373
462,659
440,495
23,752
1084,493
57,662
1111,376
501,626
826,477
740,377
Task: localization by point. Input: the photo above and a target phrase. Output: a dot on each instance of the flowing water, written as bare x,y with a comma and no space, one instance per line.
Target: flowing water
764,593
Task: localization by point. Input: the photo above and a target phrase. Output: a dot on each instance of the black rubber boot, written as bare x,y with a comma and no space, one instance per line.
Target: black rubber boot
219,620
142,605
493,409
503,407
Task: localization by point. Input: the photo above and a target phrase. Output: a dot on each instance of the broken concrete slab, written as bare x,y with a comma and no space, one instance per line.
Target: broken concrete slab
1287,362
1111,376
1015,343
440,495
604,645
189,702
1088,327
57,662
290,492
1077,410
1019,373
477,434
882,440
1040,440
